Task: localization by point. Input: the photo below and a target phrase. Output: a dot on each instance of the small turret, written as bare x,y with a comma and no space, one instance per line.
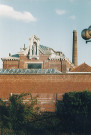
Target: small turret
10,54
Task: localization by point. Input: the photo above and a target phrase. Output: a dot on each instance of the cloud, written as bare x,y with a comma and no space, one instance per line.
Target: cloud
8,11
61,12
73,17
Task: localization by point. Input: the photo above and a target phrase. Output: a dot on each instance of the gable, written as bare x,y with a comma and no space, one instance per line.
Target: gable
82,68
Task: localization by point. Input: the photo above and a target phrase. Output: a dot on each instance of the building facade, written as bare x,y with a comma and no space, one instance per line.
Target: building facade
43,72
37,56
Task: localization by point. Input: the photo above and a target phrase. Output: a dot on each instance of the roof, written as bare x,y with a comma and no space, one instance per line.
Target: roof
29,71
53,55
15,55
82,68
45,50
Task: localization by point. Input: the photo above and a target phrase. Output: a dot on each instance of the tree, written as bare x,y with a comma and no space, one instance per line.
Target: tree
74,111
17,113
20,115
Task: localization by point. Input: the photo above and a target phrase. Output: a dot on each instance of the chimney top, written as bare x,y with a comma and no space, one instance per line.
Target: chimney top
74,31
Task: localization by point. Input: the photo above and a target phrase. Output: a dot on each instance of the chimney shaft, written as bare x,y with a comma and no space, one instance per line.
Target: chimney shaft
74,55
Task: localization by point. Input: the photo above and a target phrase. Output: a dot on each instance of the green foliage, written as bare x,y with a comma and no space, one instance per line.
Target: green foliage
74,112
16,114
46,124
20,116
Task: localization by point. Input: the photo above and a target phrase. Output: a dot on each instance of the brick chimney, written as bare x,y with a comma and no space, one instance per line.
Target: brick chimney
74,53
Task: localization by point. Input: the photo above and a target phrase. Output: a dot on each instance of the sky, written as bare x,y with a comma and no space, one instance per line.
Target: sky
53,21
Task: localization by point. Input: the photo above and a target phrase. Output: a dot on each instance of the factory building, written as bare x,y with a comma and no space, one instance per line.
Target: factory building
37,56
43,72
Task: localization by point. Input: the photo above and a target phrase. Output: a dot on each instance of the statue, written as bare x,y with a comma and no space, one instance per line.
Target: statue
34,49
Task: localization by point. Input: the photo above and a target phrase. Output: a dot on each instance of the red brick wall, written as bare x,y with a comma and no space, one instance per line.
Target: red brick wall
44,83
48,86
9,64
46,63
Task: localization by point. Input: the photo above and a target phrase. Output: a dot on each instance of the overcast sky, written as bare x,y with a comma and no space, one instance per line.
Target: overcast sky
53,21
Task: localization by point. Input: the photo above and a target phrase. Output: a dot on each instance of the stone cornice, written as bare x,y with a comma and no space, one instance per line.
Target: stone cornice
9,58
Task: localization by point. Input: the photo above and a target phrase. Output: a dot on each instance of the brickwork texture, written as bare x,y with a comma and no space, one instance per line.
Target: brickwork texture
49,86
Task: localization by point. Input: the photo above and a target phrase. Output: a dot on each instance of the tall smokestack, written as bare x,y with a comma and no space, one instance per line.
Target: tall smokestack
74,55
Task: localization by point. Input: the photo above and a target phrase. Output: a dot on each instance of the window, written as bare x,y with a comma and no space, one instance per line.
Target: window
34,66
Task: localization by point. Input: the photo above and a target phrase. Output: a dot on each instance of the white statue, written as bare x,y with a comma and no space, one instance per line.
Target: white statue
34,48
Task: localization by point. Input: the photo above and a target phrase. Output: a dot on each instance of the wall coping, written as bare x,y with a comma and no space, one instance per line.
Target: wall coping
70,73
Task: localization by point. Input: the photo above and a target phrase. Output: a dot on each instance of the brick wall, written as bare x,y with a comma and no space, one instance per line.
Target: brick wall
47,85
9,64
59,65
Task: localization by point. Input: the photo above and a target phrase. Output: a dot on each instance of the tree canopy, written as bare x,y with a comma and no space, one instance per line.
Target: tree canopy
17,113
74,111
20,115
